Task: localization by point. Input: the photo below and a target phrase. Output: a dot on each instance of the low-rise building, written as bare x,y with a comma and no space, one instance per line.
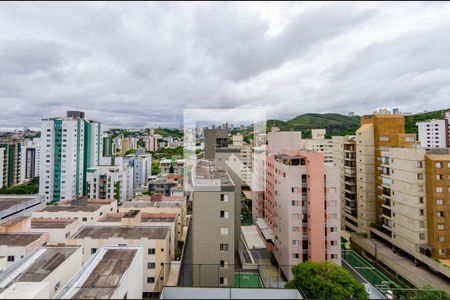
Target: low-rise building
12,206
172,166
87,211
137,218
58,229
155,243
113,273
40,275
16,246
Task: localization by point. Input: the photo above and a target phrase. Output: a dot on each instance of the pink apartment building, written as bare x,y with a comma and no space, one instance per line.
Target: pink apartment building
301,204
151,143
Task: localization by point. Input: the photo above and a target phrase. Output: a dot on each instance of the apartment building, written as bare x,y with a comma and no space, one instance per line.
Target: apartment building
214,138
435,133
176,208
31,158
172,166
437,178
142,168
110,182
40,275
344,157
11,163
258,181
107,148
151,143
94,281
215,225
58,229
69,146
319,143
306,222
137,218
125,145
87,211
16,246
155,243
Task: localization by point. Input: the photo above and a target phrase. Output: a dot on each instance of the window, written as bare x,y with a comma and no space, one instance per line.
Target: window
224,247
223,280
422,236
333,243
439,202
151,251
93,250
223,264
295,242
441,239
223,214
419,176
333,256
84,219
11,258
384,138
441,227
150,279
438,165
440,214
421,212
223,198
333,229
439,177
442,251
224,231
439,190
295,255
421,200
419,164
151,265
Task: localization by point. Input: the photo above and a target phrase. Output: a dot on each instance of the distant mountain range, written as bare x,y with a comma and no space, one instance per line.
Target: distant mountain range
337,124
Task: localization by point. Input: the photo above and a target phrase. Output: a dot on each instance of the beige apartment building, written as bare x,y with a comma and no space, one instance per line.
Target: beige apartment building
214,233
155,243
87,211
177,208
138,218
16,246
58,229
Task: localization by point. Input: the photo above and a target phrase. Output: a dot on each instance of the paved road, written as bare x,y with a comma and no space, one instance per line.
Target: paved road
405,266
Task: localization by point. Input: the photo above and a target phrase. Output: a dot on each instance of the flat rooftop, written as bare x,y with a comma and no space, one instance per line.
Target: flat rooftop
14,221
72,208
207,174
228,293
40,268
135,232
50,223
8,202
18,239
143,204
105,278
145,217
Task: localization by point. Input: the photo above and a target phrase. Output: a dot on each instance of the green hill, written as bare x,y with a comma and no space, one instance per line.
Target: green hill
410,121
337,124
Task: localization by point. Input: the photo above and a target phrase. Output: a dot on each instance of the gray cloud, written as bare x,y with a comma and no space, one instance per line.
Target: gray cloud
141,64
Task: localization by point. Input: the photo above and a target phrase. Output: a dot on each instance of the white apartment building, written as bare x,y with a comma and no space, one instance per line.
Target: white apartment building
16,246
177,165
110,182
69,145
434,133
40,275
142,168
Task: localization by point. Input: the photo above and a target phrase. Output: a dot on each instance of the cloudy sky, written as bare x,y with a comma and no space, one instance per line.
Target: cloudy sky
141,64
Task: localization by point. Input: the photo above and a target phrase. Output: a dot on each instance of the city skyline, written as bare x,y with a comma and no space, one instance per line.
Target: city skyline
111,60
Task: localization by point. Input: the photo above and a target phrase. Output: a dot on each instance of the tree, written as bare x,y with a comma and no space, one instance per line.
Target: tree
325,280
155,167
431,293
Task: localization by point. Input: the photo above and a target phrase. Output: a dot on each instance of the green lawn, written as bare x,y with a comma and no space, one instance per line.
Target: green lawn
247,280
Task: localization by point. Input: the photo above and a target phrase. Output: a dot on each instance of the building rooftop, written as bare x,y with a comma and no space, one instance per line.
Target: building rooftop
13,221
227,293
39,268
207,174
18,239
131,233
8,201
71,208
142,204
105,278
50,223
145,217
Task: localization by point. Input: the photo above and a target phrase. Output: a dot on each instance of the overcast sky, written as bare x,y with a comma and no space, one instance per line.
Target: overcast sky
141,64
